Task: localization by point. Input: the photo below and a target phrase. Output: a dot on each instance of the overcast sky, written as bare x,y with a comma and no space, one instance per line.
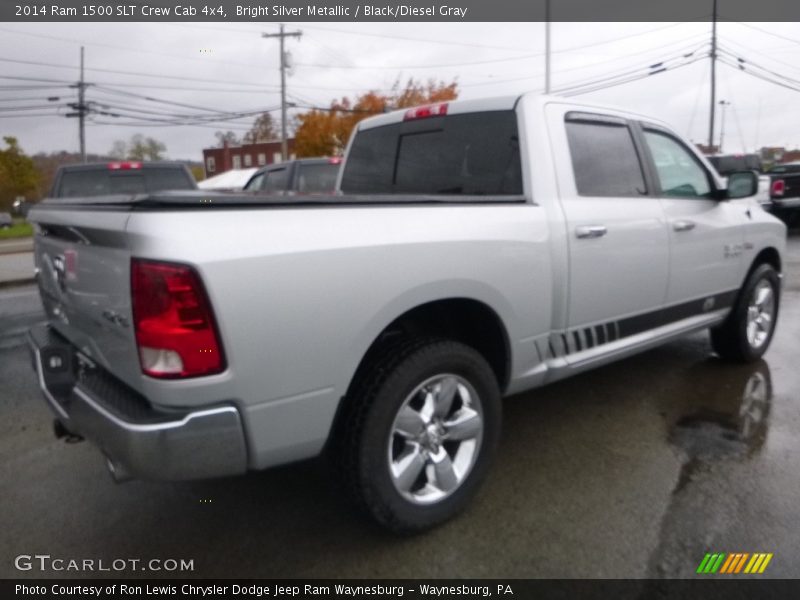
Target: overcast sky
230,67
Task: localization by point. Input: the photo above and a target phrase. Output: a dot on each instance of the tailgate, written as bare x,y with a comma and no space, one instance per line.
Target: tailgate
83,265
792,189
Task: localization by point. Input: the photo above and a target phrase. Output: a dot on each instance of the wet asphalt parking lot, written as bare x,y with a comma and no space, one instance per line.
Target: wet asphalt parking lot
636,469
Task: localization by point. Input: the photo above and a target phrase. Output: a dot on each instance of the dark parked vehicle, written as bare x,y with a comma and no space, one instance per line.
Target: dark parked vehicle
121,177
725,164
784,190
301,176
5,220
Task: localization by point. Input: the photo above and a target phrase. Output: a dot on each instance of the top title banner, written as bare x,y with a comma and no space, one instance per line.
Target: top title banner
400,10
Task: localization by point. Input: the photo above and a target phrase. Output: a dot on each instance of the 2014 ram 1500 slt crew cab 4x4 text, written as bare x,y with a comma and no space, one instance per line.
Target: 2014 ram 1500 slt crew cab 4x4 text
478,249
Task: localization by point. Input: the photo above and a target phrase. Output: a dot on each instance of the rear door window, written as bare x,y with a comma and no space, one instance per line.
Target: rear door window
276,180
317,178
604,158
462,154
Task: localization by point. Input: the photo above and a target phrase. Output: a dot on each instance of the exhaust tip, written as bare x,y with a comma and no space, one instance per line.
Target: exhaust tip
61,432
118,473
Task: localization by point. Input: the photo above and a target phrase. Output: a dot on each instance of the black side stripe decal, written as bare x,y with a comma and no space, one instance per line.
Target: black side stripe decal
614,330
670,314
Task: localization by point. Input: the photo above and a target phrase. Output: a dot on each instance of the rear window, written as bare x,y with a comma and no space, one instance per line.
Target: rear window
100,182
469,154
785,169
317,178
276,180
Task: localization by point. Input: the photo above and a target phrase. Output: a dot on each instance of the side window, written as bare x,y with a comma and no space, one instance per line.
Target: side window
680,173
275,180
604,159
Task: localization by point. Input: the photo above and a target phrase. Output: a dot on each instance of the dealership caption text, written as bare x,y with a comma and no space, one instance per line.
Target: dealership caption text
259,590
256,12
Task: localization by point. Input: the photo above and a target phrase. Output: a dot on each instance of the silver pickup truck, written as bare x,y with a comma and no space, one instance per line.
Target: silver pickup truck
477,249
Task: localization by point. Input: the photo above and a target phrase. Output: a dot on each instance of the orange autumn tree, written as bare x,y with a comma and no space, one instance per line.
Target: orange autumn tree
325,132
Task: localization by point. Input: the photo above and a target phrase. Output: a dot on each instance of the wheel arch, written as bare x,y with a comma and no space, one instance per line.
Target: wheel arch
768,255
464,319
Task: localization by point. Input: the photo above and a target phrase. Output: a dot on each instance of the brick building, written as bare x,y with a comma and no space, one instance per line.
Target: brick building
219,160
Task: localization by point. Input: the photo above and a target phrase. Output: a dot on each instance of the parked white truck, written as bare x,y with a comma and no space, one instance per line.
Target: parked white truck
478,249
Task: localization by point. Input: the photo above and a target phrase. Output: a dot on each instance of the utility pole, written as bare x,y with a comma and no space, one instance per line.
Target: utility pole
282,35
723,104
81,108
546,46
713,77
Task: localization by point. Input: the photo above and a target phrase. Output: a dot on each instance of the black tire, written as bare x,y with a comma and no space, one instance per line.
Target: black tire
730,340
368,434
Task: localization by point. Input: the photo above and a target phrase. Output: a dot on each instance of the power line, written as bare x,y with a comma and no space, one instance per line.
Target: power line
620,81
645,70
772,33
767,56
17,78
138,50
30,98
117,72
743,61
29,115
111,90
743,68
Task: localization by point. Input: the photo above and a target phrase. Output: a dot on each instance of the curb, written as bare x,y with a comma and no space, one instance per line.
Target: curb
17,282
15,248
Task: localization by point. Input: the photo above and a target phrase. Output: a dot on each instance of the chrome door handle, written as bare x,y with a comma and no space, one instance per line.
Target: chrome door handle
683,225
591,231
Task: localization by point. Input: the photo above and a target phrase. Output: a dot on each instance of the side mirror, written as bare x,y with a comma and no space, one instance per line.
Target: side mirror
742,184
21,207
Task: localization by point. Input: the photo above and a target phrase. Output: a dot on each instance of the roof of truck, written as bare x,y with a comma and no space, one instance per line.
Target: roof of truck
115,164
455,107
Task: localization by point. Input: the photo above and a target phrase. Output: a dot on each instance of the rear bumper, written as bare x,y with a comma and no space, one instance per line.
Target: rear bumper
139,440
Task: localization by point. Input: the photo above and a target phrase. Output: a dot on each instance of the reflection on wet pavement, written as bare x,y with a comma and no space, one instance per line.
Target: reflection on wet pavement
729,421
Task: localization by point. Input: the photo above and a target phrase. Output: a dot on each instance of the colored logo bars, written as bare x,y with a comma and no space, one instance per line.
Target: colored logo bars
734,563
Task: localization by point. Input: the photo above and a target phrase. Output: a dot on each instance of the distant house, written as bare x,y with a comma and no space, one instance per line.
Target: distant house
219,160
706,149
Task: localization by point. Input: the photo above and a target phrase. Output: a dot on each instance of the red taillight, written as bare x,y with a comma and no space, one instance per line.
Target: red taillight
778,188
175,329
423,112
335,160
116,166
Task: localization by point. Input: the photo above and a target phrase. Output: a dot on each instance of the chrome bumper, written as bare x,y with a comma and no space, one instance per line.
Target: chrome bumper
138,440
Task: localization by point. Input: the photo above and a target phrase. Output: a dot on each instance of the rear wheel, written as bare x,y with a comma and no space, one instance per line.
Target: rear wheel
422,429
746,333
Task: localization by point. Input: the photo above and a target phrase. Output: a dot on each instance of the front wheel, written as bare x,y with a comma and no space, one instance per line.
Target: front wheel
746,333
420,434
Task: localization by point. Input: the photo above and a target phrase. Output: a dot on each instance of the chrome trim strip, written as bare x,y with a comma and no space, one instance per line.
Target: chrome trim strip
54,404
150,427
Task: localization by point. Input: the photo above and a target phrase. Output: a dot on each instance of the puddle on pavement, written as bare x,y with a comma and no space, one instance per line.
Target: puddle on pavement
726,416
